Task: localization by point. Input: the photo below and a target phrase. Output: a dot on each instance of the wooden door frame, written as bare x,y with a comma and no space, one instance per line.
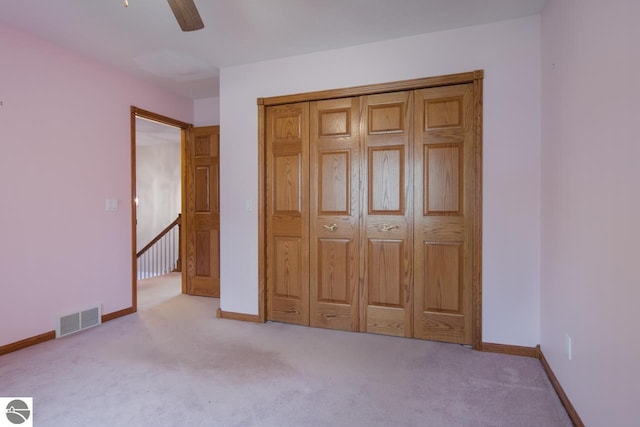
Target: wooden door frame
474,77
136,112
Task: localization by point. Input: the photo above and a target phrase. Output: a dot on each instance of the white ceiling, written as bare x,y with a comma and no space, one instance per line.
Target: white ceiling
145,40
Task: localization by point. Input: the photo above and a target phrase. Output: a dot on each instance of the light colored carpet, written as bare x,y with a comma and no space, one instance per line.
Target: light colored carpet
174,364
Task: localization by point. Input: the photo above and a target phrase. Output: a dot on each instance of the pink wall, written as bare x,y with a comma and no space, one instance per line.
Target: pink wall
590,285
509,52
65,138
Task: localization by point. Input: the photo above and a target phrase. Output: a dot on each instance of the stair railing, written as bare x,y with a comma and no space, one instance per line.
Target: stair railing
162,254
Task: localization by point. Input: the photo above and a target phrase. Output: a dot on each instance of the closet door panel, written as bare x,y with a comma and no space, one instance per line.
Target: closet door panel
288,213
386,273
386,291
386,180
442,179
334,193
444,210
335,209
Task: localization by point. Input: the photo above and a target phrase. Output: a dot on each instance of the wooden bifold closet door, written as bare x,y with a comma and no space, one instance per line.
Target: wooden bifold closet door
370,203
444,213
335,213
386,294
287,200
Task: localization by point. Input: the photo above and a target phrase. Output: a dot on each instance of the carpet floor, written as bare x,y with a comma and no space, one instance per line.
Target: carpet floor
175,364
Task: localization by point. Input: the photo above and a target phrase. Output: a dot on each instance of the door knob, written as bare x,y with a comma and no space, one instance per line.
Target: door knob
332,227
387,227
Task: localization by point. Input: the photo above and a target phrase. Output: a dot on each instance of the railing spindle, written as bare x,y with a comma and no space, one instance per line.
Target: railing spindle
162,254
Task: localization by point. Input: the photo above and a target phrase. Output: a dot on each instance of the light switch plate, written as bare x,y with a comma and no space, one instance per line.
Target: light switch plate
111,205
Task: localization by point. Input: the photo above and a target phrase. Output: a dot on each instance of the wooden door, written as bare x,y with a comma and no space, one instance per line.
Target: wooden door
335,212
287,211
444,213
202,209
386,293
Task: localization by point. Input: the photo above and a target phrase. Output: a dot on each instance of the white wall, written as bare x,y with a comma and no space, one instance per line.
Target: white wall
158,188
206,111
509,52
590,285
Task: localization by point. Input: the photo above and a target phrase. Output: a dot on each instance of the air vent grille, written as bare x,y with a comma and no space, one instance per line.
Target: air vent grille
75,322
89,318
69,324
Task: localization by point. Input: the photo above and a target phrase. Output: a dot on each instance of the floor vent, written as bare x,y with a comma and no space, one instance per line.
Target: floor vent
78,321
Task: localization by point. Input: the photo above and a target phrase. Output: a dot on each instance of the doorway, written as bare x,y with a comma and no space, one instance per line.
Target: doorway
158,198
165,130
199,222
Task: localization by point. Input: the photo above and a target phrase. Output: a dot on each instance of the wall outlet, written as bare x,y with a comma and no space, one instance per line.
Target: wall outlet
568,346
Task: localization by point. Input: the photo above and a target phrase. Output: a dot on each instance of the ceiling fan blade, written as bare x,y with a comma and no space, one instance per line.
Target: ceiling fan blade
186,14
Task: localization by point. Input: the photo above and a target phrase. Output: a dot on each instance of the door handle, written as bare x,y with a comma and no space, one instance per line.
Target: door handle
387,227
332,227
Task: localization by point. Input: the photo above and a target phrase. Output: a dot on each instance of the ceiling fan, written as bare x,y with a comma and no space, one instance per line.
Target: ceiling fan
186,14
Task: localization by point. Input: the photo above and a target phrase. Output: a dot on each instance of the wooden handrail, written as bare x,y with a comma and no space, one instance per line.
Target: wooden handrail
177,221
